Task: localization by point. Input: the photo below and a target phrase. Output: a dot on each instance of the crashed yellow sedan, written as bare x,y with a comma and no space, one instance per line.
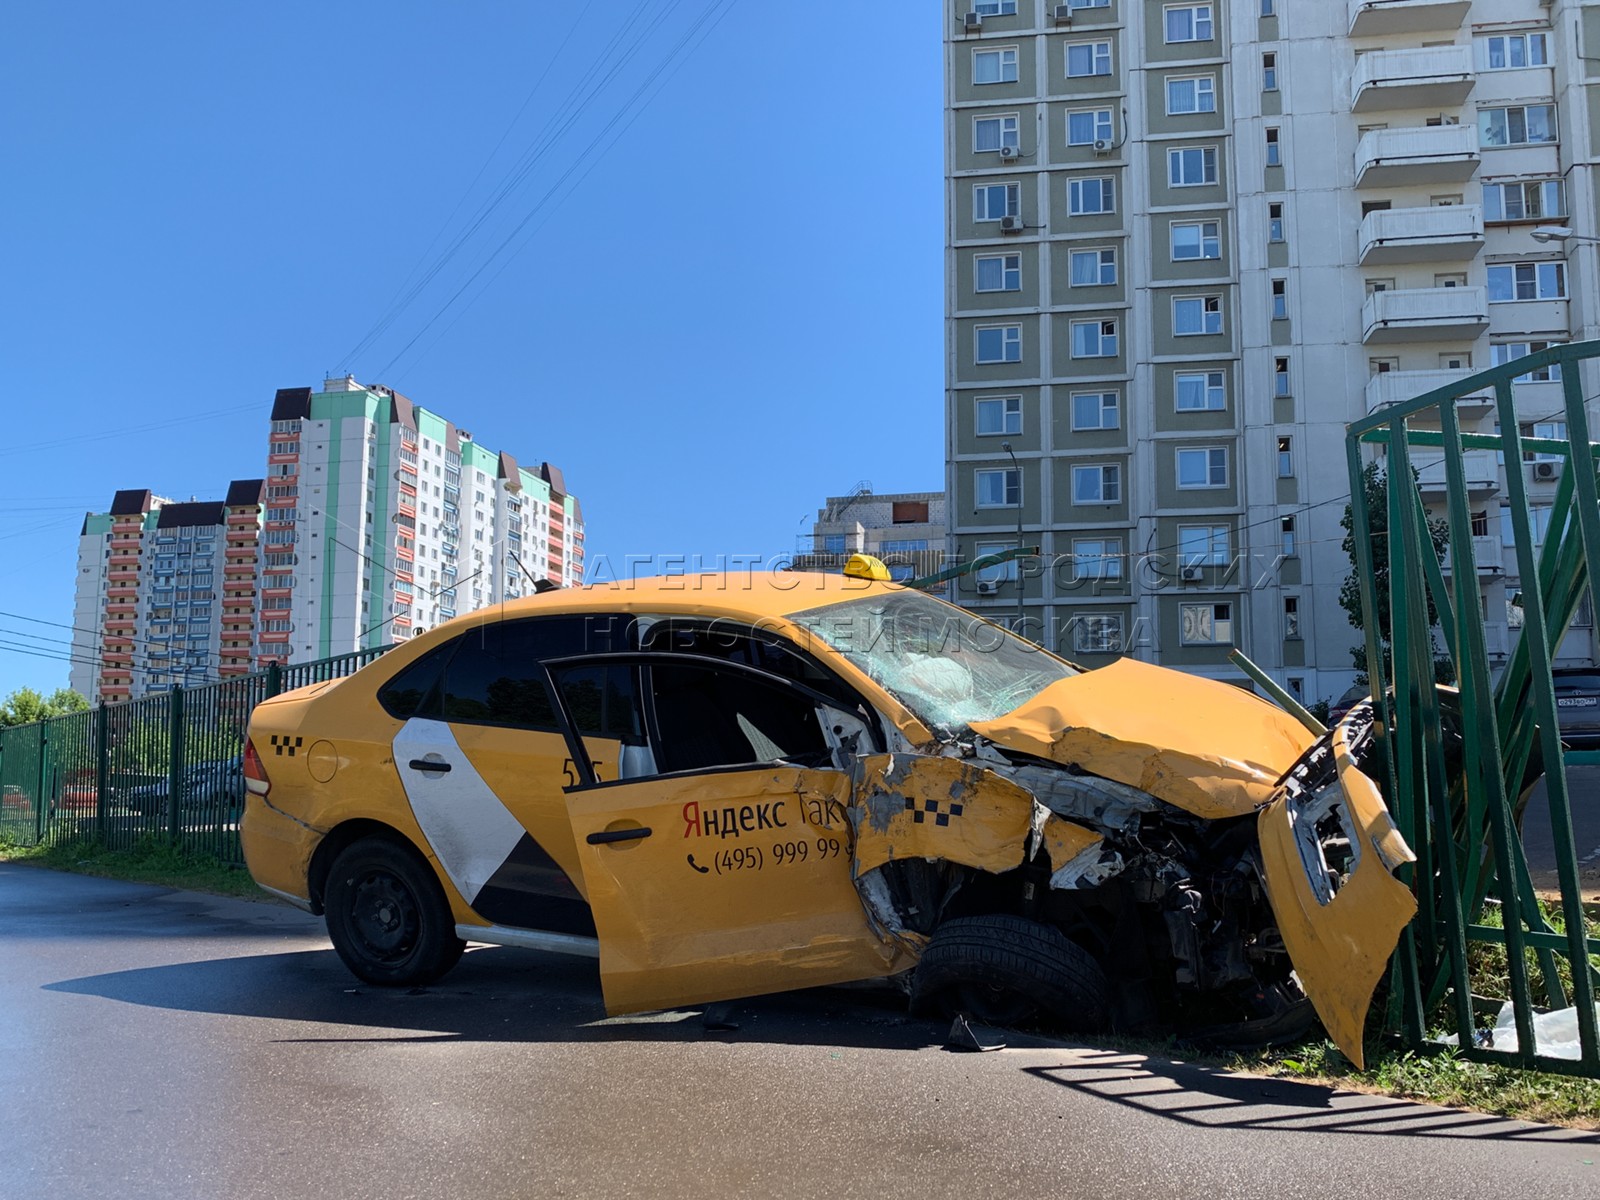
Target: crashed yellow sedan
727,786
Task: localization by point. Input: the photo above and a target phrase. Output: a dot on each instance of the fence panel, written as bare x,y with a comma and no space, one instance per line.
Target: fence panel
166,766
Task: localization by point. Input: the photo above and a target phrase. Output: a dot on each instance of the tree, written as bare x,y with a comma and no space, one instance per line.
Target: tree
25,705
1375,484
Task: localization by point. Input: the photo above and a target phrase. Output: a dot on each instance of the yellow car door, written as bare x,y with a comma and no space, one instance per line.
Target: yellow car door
720,866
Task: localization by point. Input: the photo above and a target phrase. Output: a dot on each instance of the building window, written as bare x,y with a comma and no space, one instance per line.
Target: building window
999,343
995,66
1095,410
992,201
1286,457
990,135
1089,126
1192,167
1097,558
1202,467
1093,268
999,488
1188,23
1088,3
1195,315
1269,72
1517,125
1274,152
1200,391
1206,624
998,272
1286,540
1094,339
1280,377
1291,618
1088,58
1204,545
1280,299
1269,8
1275,221
1197,94
1501,353
1088,197
999,415
1528,281
1100,483
1507,52
1524,200
995,8
1196,239
1097,633
999,572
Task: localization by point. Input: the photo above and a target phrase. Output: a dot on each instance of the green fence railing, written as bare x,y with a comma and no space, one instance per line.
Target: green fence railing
167,765
1461,762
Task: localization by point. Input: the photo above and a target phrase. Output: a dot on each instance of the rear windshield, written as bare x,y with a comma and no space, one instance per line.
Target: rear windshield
948,667
1577,682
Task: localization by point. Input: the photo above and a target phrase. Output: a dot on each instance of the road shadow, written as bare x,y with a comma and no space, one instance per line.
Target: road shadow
1208,1098
498,994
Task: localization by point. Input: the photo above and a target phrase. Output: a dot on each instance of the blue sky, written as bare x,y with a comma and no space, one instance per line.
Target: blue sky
719,298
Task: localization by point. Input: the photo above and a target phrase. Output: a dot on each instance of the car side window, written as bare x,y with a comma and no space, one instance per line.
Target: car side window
496,677
414,692
763,650
709,718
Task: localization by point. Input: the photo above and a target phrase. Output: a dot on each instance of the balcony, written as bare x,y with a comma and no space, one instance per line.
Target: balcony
1479,466
1488,555
1397,387
1425,154
1382,18
1438,233
1425,315
1429,77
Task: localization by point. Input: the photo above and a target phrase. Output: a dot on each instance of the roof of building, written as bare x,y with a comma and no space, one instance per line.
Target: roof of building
552,475
509,472
404,411
130,500
194,512
291,404
243,493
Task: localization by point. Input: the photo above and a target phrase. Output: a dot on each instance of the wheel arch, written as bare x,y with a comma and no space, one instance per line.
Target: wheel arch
340,838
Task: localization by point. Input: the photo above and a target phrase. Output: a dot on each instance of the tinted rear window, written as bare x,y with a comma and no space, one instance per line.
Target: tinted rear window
1577,682
496,676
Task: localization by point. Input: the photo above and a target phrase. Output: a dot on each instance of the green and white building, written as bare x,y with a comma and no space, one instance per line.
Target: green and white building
1187,242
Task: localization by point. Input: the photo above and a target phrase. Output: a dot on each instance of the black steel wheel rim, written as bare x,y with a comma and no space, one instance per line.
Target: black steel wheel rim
384,916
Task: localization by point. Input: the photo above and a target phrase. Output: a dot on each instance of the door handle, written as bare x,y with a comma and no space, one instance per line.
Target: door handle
617,835
423,764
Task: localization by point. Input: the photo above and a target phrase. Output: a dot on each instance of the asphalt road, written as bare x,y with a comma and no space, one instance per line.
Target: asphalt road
164,1044
1538,832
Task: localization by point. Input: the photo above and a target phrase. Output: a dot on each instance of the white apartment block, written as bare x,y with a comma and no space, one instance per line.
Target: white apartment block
906,530
1188,242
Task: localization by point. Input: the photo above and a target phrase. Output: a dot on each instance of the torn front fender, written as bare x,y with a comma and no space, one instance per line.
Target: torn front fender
912,806
1206,747
1339,932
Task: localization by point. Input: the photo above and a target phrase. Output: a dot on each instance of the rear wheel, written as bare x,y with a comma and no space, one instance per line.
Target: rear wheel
388,917
1011,971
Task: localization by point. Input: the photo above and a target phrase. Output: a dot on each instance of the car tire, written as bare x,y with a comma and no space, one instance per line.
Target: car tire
388,917
1008,970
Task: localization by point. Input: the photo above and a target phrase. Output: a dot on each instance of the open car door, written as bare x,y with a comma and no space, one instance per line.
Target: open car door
718,866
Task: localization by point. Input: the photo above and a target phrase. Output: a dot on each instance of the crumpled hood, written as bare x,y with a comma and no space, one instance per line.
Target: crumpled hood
1206,747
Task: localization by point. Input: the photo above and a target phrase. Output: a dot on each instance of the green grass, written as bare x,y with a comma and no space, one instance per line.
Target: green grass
151,860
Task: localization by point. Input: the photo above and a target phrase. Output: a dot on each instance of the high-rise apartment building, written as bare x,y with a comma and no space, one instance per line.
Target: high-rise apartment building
383,519
1187,242
377,519
905,529
156,602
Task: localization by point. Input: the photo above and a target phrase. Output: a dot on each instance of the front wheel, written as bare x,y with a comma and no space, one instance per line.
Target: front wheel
1007,970
388,917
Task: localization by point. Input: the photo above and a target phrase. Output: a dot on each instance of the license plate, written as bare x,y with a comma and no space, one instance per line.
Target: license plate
1577,701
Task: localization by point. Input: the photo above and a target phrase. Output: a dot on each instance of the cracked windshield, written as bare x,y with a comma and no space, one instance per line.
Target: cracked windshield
947,666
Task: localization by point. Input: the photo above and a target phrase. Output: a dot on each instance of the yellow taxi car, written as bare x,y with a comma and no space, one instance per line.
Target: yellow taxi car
723,786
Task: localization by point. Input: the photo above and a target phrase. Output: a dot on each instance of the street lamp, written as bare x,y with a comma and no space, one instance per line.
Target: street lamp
1559,233
1015,466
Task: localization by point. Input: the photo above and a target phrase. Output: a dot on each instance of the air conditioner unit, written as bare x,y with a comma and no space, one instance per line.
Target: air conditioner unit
988,587
1062,14
1011,225
1191,574
973,22
1008,153
1547,471
1101,146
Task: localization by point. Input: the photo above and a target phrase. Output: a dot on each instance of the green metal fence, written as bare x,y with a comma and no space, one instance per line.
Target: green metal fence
168,765
1460,762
